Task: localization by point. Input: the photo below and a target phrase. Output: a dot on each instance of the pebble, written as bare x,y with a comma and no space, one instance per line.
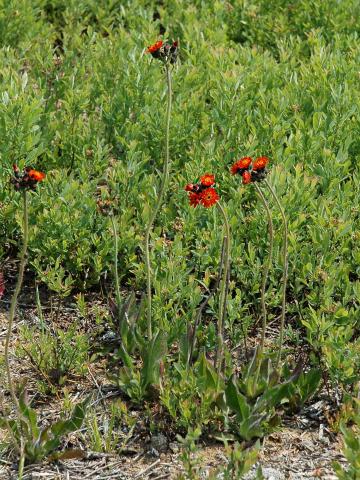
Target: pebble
174,447
159,442
269,473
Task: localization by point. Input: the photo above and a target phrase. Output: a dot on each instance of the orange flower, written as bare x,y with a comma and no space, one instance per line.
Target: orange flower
35,175
155,47
209,197
242,164
194,199
207,180
246,177
260,163
27,179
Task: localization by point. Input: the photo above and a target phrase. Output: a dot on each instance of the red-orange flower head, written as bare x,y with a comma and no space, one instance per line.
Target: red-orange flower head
27,179
259,170
246,177
164,51
35,175
207,180
260,163
209,197
194,199
241,165
203,192
155,47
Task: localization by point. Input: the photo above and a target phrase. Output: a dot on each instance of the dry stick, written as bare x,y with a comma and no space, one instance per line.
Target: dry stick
147,469
204,304
164,182
267,266
11,321
224,290
285,271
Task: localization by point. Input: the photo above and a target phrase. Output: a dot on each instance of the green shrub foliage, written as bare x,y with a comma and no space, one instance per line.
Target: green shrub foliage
82,101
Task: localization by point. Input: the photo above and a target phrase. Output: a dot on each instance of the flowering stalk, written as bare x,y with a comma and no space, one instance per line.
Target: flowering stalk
223,289
22,182
116,270
205,303
255,171
267,265
11,322
164,183
204,193
16,295
285,271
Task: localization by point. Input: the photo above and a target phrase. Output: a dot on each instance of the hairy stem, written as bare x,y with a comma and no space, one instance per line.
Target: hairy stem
163,187
267,265
21,466
223,289
16,295
285,271
204,304
116,271
11,322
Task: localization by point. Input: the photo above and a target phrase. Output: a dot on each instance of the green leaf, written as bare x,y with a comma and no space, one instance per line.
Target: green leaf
236,401
63,427
152,355
30,415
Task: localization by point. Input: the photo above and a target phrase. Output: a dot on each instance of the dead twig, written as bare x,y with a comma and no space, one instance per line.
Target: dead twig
147,469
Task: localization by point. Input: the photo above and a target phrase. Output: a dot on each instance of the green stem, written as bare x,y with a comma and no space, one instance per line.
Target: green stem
223,289
11,322
116,271
21,463
16,295
204,304
267,266
163,187
285,271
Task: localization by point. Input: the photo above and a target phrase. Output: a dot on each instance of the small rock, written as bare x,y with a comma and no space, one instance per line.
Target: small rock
159,442
153,452
272,474
174,447
269,473
108,337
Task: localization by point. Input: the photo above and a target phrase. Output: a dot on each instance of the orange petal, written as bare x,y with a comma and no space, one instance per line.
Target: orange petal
35,175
